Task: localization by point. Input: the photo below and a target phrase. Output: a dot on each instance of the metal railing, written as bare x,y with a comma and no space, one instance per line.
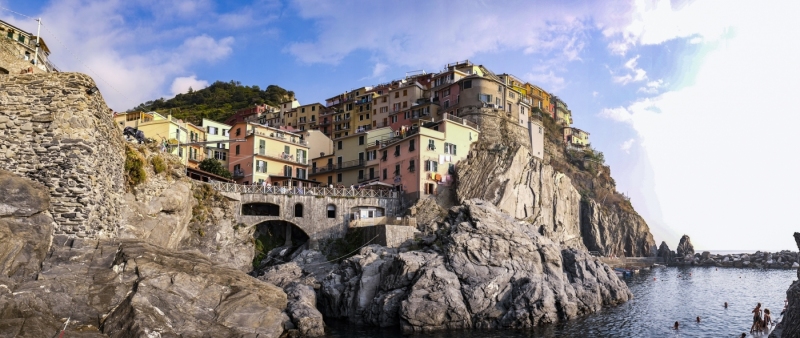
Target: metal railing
283,156
279,136
312,191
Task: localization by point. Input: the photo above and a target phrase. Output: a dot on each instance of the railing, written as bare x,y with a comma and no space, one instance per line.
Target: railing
283,156
348,164
238,174
309,191
272,135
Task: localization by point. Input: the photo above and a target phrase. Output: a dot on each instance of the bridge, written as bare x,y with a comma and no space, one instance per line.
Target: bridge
320,212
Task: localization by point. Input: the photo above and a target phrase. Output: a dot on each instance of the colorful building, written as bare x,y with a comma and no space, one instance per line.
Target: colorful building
218,141
576,137
540,99
423,159
196,148
350,155
308,116
562,112
268,156
171,133
22,52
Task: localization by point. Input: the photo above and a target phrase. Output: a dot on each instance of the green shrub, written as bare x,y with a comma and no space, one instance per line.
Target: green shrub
134,167
159,166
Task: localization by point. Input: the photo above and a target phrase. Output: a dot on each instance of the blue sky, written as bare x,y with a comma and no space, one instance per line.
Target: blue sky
691,101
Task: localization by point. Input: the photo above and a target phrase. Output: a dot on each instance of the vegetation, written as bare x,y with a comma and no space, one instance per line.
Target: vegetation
216,102
215,167
205,195
134,167
159,166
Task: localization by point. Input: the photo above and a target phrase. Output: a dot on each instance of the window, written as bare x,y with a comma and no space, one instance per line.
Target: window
331,211
238,131
396,95
405,92
385,174
385,155
21,38
303,110
361,140
360,158
412,145
384,99
397,169
330,180
394,118
361,174
485,98
301,173
339,145
447,104
396,107
180,152
396,150
500,88
466,84
221,155
371,173
261,166
384,109
431,165
287,171
446,92
339,177
372,154
262,147
298,210
405,104
431,145
449,148
412,165
510,94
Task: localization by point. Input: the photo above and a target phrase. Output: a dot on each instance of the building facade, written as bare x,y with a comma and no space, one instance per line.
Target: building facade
268,156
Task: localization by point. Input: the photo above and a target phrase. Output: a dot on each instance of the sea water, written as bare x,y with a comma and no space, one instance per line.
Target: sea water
662,296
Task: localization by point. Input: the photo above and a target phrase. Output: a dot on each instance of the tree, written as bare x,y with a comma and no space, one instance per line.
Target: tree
215,167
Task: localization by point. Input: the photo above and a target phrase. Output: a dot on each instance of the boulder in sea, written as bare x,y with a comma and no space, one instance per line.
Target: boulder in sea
664,252
685,246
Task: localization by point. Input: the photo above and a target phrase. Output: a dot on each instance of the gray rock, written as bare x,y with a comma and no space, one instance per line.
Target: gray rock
303,311
685,246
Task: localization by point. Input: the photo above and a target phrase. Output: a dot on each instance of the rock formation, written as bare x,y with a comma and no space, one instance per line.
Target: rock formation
492,272
789,327
685,246
664,252
500,169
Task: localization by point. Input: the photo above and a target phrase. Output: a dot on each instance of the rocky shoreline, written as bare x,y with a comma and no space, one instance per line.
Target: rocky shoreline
686,256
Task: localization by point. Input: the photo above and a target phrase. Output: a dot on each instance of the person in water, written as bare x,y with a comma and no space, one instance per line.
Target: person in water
698,319
676,325
726,305
756,318
767,320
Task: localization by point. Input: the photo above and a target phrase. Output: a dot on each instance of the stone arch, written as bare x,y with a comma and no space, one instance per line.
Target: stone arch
272,234
331,210
261,209
298,210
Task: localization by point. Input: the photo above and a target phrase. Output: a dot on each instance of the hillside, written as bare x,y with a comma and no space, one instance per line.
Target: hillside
217,101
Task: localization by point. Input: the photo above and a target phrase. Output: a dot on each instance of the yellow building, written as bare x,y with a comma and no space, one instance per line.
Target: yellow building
268,156
217,136
196,147
562,113
350,155
323,169
21,52
576,137
540,99
307,116
171,133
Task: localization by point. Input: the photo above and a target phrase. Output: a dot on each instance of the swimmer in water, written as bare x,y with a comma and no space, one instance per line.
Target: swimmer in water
726,305
676,325
698,319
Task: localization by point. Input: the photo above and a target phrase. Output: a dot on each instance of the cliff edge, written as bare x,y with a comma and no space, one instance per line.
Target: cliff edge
567,196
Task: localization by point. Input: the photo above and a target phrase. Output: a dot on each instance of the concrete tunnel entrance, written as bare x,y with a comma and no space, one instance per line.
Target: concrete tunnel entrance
270,235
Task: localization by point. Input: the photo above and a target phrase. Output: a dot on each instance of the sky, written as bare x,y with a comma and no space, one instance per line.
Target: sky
692,102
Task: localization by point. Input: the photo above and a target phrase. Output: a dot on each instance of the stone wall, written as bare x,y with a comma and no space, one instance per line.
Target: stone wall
315,222
53,132
392,236
12,60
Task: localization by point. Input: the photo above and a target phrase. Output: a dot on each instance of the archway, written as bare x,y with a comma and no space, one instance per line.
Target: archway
271,235
3,71
261,209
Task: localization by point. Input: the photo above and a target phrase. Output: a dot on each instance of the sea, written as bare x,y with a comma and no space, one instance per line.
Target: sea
662,296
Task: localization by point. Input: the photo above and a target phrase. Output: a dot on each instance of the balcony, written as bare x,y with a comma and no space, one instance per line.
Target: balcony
237,174
283,157
323,169
279,137
350,164
324,122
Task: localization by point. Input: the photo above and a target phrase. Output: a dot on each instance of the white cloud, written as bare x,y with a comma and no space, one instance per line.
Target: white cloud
182,84
595,93
131,62
547,79
651,87
379,69
720,160
626,146
633,74
406,33
651,22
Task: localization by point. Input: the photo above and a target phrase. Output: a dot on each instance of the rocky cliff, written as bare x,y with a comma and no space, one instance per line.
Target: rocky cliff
566,197
789,327
486,270
156,258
